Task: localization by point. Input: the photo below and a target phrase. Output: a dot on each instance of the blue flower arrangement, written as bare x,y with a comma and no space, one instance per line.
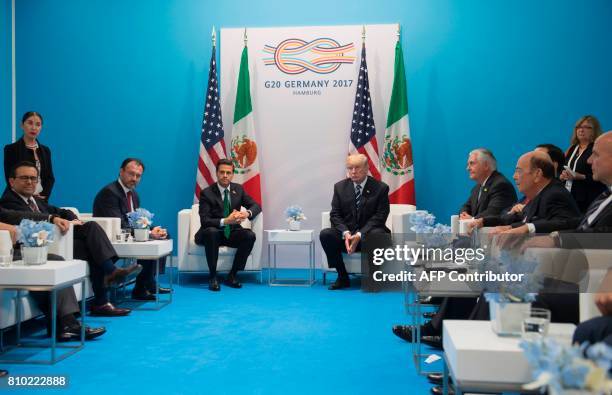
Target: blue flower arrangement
560,367
523,291
140,218
35,234
295,213
434,234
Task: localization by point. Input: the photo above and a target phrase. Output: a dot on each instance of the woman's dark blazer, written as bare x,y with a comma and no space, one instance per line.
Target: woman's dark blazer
17,152
584,191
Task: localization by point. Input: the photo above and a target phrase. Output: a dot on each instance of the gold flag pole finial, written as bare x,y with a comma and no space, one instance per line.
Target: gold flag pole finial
363,34
214,37
245,37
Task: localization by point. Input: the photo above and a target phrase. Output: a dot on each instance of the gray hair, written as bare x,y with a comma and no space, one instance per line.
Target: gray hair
486,156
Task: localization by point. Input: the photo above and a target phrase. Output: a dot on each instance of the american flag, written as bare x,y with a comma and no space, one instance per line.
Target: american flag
363,131
212,146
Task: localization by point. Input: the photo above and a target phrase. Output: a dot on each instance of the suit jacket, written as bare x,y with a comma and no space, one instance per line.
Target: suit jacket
498,193
17,152
549,210
596,235
13,217
374,207
111,201
584,191
11,200
211,205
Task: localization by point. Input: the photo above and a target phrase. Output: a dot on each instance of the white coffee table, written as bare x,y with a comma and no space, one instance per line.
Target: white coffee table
151,250
478,360
50,277
284,237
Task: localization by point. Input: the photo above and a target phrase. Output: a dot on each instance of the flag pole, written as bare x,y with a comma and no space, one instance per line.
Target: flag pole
245,37
214,37
399,32
363,34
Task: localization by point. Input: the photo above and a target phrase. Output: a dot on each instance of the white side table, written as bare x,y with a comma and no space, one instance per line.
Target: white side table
51,277
154,250
478,360
278,237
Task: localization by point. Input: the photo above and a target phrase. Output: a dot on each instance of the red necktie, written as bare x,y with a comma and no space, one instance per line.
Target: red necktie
129,201
33,205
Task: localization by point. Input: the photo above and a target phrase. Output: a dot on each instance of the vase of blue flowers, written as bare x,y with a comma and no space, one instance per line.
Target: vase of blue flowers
34,238
295,215
429,233
140,220
510,302
568,370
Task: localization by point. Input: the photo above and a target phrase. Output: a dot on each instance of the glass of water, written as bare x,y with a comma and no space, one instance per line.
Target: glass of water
535,323
6,258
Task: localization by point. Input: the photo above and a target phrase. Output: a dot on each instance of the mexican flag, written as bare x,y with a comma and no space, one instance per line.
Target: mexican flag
243,151
397,167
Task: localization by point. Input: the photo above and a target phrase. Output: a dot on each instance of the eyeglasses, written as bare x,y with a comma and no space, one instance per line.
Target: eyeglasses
28,178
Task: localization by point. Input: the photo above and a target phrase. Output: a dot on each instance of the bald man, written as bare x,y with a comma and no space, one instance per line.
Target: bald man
360,207
550,204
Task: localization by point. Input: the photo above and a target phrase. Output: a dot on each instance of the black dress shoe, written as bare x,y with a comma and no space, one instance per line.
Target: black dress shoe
162,290
73,333
437,390
435,378
429,315
108,310
404,332
213,284
143,295
232,282
340,283
432,341
3,372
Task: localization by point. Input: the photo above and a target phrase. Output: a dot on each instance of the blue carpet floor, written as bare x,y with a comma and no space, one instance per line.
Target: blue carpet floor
254,340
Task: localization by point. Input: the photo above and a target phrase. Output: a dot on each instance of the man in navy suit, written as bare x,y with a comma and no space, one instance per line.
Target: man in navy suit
119,198
360,207
220,219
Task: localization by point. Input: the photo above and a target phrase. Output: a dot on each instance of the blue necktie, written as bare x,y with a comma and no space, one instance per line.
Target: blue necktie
358,198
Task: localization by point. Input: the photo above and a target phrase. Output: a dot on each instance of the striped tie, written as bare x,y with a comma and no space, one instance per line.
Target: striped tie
584,224
358,198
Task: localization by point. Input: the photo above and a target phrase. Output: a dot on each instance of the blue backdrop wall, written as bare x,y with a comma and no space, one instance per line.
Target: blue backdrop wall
116,79
6,74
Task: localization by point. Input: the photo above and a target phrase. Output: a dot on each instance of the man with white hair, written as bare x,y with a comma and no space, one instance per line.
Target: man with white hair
492,193
360,207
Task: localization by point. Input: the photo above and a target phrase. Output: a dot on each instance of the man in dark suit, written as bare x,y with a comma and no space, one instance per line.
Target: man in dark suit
360,207
550,204
119,198
492,192
220,219
68,328
90,241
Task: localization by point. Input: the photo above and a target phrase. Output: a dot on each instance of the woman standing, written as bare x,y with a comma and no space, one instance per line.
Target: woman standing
29,149
579,178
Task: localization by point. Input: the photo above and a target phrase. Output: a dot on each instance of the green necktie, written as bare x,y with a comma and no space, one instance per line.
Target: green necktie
226,212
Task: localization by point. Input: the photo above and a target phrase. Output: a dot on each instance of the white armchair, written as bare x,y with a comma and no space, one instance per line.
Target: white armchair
566,265
191,257
398,221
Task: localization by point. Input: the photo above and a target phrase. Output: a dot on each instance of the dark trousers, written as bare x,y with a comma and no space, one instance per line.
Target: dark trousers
146,278
239,238
333,245
66,304
452,309
595,330
92,245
